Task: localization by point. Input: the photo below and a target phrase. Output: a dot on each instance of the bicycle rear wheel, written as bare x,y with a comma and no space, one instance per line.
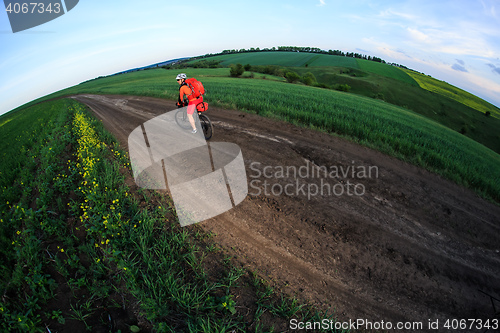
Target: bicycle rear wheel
181,119
206,126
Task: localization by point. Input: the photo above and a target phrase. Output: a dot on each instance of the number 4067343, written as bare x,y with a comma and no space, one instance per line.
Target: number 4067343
33,8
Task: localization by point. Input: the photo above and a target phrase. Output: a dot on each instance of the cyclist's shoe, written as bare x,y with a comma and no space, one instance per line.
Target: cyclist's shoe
194,131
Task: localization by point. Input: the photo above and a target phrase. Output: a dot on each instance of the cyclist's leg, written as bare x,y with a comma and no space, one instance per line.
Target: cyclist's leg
190,111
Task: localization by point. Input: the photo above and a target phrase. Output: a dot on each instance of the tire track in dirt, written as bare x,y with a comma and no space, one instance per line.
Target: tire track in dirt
413,247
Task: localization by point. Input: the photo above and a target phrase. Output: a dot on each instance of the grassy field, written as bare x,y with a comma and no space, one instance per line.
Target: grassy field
454,93
391,72
311,60
396,131
81,250
393,130
445,111
288,59
444,104
296,59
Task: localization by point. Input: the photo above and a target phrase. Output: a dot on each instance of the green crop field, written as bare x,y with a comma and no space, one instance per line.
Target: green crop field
386,70
393,130
301,59
288,59
454,93
334,61
264,58
443,103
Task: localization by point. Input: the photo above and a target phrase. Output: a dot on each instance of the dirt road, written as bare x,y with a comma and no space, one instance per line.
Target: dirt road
359,232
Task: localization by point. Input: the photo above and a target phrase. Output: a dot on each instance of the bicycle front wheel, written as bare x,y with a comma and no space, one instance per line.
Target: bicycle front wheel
181,119
206,126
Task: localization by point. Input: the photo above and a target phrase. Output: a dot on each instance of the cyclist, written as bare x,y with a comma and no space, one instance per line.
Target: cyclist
185,92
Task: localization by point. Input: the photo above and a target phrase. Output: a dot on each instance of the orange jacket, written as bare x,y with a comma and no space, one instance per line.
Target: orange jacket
185,90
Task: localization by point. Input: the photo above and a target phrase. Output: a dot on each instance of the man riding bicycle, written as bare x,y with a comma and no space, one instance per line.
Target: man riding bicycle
186,93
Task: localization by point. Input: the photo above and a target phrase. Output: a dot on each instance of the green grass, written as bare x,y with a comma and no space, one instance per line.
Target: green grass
389,71
302,59
292,59
32,142
78,246
436,100
456,116
334,61
265,58
454,93
396,131
390,87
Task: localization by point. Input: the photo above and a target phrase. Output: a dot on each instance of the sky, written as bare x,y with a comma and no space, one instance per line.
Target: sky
457,41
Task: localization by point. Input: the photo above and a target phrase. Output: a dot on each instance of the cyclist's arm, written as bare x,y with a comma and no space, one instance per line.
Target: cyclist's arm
184,91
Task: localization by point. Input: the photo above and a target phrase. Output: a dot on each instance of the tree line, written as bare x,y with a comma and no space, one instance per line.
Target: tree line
296,49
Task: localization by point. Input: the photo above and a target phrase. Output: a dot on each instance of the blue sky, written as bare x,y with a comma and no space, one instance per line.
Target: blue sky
455,41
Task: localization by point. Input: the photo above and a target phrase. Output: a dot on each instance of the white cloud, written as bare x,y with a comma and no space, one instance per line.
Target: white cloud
440,27
321,3
459,42
387,49
391,13
419,36
489,9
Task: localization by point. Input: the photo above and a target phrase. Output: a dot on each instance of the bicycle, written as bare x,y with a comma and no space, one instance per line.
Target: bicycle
181,118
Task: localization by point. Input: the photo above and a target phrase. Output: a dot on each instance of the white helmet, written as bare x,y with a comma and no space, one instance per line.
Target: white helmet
181,76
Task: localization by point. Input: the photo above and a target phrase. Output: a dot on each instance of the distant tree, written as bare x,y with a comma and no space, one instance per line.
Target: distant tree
292,77
343,87
206,64
309,79
236,70
248,67
487,114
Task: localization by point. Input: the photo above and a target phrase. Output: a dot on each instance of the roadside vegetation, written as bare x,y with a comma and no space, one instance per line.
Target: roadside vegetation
82,250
